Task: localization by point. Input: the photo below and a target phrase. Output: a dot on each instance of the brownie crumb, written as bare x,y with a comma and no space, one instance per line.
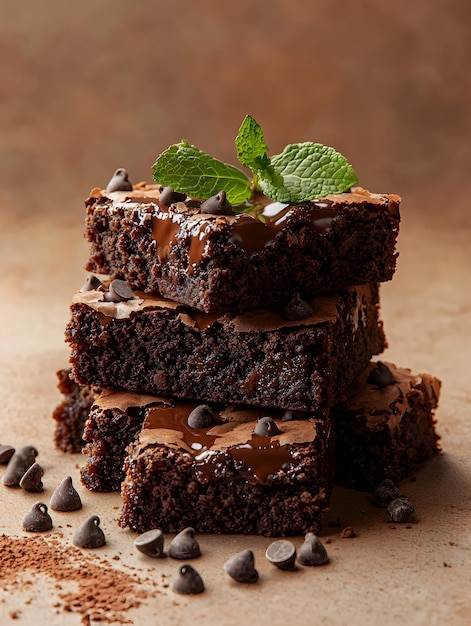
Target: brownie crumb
348,533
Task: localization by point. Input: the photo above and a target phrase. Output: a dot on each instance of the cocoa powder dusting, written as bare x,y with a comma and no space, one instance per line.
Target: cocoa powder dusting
102,593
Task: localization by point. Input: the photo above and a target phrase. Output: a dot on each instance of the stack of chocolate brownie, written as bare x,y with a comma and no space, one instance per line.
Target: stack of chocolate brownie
218,352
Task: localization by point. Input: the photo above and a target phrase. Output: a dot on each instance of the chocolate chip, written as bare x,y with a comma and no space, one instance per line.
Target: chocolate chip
188,581
266,427
401,510
91,283
18,465
6,452
151,543
89,534
348,533
65,497
385,493
297,309
37,519
169,196
282,553
289,416
184,545
118,291
201,417
217,205
119,181
312,552
381,376
31,480
241,567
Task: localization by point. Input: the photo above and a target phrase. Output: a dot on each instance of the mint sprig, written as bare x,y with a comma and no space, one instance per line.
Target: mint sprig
303,171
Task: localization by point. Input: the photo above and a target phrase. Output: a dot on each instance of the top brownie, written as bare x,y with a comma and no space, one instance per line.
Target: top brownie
258,255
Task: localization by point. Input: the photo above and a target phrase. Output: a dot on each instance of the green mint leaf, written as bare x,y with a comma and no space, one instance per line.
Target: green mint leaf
189,170
309,171
250,145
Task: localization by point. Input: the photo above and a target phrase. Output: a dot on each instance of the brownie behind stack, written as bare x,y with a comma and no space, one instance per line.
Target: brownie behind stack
264,316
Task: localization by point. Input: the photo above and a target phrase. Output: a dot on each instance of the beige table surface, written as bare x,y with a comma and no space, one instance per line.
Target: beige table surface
388,574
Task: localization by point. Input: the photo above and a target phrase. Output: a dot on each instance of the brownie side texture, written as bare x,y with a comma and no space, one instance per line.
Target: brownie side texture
225,478
385,432
232,263
258,358
71,414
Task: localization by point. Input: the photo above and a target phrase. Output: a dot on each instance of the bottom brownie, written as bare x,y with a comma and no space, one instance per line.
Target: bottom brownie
385,431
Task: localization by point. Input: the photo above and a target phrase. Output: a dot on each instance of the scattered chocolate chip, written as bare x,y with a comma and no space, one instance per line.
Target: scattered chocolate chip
217,205
188,581
385,493
169,196
297,309
266,427
312,552
201,417
91,283
31,480
118,291
241,567
282,553
151,543
119,181
184,545
381,376
348,533
18,465
89,534
37,519
65,497
6,452
401,510
289,416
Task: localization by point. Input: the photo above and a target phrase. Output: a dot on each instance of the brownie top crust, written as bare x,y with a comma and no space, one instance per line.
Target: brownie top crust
324,309
251,226
230,438
391,402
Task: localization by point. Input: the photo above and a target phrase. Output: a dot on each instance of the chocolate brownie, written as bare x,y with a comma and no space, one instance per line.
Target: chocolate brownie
258,255
258,358
72,412
385,431
224,477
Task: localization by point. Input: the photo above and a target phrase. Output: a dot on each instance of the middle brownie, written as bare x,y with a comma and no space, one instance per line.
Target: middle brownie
258,358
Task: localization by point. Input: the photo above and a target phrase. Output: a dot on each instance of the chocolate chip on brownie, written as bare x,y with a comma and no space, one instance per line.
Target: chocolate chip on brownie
217,205
169,196
91,283
381,376
266,427
201,417
297,309
118,291
119,181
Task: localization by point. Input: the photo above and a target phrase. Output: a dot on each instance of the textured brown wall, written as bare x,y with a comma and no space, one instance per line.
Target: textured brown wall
92,85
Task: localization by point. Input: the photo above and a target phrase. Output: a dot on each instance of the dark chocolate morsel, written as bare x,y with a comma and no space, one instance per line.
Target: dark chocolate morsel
266,427
6,452
385,493
18,465
37,519
184,545
188,581
65,497
31,480
289,416
312,552
241,567
91,283
119,181
401,510
381,376
297,309
151,543
169,196
217,205
282,553
118,291
201,417
89,534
